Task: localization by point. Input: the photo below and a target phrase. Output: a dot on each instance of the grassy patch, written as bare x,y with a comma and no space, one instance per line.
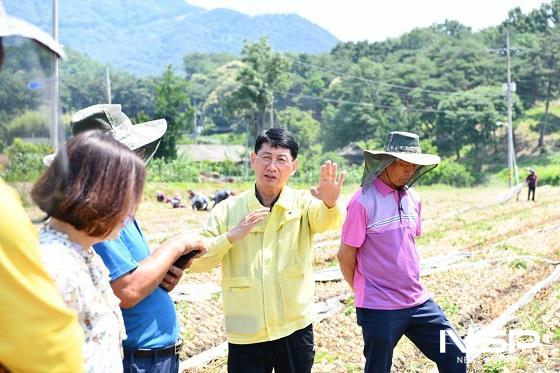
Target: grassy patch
495,366
325,357
516,249
430,236
349,307
352,368
556,335
521,363
451,308
183,309
519,263
216,296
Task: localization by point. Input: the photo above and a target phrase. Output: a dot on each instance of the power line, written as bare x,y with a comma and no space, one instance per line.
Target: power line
374,82
377,106
396,86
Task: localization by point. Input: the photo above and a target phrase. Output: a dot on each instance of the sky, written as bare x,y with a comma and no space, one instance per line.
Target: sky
375,20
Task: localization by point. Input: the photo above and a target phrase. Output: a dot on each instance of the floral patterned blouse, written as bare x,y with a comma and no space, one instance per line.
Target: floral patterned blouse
83,283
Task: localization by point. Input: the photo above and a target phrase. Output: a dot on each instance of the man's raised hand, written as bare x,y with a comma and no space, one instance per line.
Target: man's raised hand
329,185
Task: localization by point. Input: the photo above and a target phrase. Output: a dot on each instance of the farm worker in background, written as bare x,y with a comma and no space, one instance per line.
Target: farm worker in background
161,197
222,195
198,201
176,201
141,279
263,240
379,261
88,192
531,181
38,332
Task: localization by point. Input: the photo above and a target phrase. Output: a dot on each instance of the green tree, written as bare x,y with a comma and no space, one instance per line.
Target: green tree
208,94
28,124
204,63
264,76
362,107
15,97
466,119
301,124
538,72
172,103
550,74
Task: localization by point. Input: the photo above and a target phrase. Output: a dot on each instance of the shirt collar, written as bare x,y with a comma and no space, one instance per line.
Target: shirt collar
383,188
285,200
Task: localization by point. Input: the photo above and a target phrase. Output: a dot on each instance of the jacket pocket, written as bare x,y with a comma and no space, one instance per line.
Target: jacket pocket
243,307
298,289
289,217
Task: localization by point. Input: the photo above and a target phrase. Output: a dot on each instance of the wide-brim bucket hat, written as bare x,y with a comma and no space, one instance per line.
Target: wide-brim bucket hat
143,138
399,145
13,26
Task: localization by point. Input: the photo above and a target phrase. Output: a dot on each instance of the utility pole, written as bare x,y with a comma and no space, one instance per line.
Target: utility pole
271,109
108,84
55,90
513,177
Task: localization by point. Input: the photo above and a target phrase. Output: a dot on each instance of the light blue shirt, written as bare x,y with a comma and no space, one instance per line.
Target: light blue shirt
152,323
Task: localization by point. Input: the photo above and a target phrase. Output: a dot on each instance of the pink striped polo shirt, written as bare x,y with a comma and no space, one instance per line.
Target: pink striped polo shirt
387,275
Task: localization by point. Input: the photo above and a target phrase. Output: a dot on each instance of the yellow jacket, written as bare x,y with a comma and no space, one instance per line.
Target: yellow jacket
38,333
267,277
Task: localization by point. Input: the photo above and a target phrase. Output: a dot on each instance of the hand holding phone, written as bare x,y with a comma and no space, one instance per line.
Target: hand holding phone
184,259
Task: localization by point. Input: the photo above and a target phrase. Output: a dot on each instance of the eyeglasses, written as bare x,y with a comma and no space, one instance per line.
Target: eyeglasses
281,160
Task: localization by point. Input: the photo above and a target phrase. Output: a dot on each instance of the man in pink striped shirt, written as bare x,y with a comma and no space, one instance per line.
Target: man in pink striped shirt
378,259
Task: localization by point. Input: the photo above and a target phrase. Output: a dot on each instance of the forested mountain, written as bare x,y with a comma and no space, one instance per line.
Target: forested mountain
143,36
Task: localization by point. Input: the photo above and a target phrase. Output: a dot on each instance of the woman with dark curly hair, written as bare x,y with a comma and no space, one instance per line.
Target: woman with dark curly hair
88,192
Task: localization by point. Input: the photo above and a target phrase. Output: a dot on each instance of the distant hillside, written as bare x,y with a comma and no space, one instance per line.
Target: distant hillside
142,36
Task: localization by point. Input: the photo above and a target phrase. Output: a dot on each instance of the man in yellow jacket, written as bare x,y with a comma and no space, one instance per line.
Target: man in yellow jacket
263,240
37,332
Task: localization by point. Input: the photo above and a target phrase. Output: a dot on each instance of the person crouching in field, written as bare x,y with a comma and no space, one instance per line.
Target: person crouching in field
88,192
262,238
198,201
222,195
378,259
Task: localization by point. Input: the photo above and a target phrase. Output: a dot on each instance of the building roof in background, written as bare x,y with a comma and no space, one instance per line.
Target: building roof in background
352,153
212,153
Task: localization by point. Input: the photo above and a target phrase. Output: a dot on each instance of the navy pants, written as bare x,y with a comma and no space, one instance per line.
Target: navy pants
291,354
531,190
156,364
382,329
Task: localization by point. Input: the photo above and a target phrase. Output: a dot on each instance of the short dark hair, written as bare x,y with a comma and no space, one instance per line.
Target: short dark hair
93,183
277,138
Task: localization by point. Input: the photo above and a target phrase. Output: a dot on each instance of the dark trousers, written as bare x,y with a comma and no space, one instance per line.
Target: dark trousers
531,190
291,354
155,364
382,329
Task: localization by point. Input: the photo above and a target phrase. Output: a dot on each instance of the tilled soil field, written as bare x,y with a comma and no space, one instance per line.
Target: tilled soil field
504,250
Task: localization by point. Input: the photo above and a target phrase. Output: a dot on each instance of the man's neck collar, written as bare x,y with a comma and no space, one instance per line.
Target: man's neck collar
385,188
262,201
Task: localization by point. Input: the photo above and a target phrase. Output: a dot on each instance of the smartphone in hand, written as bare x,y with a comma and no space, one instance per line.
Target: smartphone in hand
184,259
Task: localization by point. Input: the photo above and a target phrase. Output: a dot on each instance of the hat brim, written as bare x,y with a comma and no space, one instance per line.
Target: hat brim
142,138
142,134
14,26
420,159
